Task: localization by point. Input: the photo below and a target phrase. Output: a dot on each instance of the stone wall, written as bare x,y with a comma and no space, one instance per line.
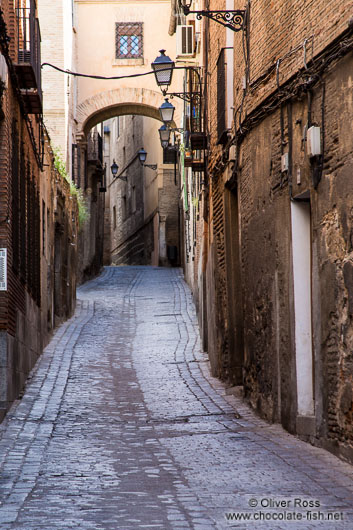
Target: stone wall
296,71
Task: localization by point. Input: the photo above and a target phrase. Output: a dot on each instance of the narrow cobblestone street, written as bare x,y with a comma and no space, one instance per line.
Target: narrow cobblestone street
121,427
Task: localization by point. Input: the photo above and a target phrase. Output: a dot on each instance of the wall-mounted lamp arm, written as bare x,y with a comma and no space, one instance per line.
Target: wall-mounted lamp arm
234,20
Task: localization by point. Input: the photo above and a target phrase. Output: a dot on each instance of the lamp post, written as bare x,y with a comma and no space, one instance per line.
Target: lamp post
114,168
163,68
164,134
142,157
166,111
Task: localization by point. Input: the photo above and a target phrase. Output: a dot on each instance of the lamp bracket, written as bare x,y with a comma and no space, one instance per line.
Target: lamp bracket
186,96
234,20
151,166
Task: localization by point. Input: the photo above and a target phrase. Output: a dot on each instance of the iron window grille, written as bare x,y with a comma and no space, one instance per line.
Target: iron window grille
129,40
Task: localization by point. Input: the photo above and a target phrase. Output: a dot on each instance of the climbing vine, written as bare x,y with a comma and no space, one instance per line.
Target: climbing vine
60,166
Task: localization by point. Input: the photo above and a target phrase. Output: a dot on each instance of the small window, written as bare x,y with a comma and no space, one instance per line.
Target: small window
123,207
129,40
114,217
133,199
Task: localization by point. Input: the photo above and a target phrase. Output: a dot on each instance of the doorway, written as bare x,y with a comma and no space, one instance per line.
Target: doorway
301,258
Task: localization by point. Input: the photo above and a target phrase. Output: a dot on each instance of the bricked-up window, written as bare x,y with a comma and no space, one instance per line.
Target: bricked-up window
33,238
24,174
129,40
221,98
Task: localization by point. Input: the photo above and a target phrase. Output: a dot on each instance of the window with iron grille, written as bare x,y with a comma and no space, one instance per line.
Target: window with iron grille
221,98
129,40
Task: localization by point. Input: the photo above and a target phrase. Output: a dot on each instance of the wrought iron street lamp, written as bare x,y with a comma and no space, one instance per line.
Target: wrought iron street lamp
114,168
234,20
164,134
142,157
163,68
166,111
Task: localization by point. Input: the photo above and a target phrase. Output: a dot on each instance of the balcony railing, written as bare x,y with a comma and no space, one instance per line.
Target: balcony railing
95,148
28,67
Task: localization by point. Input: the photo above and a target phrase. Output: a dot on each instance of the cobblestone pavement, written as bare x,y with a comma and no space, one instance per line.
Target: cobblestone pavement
121,427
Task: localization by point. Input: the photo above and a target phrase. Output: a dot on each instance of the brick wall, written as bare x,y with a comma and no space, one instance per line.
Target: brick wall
26,307
281,100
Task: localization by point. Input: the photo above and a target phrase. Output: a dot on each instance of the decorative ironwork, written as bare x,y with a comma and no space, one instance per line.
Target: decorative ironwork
186,96
234,20
151,166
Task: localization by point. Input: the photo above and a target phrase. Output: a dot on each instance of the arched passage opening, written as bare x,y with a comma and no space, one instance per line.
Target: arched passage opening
134,219
119,102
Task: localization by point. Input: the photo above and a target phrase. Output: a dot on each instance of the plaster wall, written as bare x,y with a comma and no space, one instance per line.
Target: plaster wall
96,32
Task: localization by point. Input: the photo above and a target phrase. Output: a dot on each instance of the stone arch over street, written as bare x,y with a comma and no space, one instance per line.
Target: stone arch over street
138,218
119,102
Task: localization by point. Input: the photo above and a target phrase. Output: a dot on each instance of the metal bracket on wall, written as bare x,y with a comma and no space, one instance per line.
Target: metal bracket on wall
186,96
234,20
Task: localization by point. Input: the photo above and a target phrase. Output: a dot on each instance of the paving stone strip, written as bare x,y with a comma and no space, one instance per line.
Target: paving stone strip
122,426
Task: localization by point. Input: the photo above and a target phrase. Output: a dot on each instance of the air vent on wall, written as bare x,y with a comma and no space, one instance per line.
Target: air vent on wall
3,269
185,40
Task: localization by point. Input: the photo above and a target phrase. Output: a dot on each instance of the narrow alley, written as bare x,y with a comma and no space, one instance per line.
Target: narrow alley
122,427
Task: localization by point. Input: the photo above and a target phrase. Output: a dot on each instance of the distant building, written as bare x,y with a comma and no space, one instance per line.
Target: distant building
141,215
142,226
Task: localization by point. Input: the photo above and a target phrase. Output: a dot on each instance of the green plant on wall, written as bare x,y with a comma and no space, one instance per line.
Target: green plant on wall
195,202
60,166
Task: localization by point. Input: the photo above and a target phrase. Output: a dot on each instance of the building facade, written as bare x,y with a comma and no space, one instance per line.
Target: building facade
273,275
116,43
142,202
38,225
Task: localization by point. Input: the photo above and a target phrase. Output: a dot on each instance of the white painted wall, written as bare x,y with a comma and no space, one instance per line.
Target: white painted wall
301,254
